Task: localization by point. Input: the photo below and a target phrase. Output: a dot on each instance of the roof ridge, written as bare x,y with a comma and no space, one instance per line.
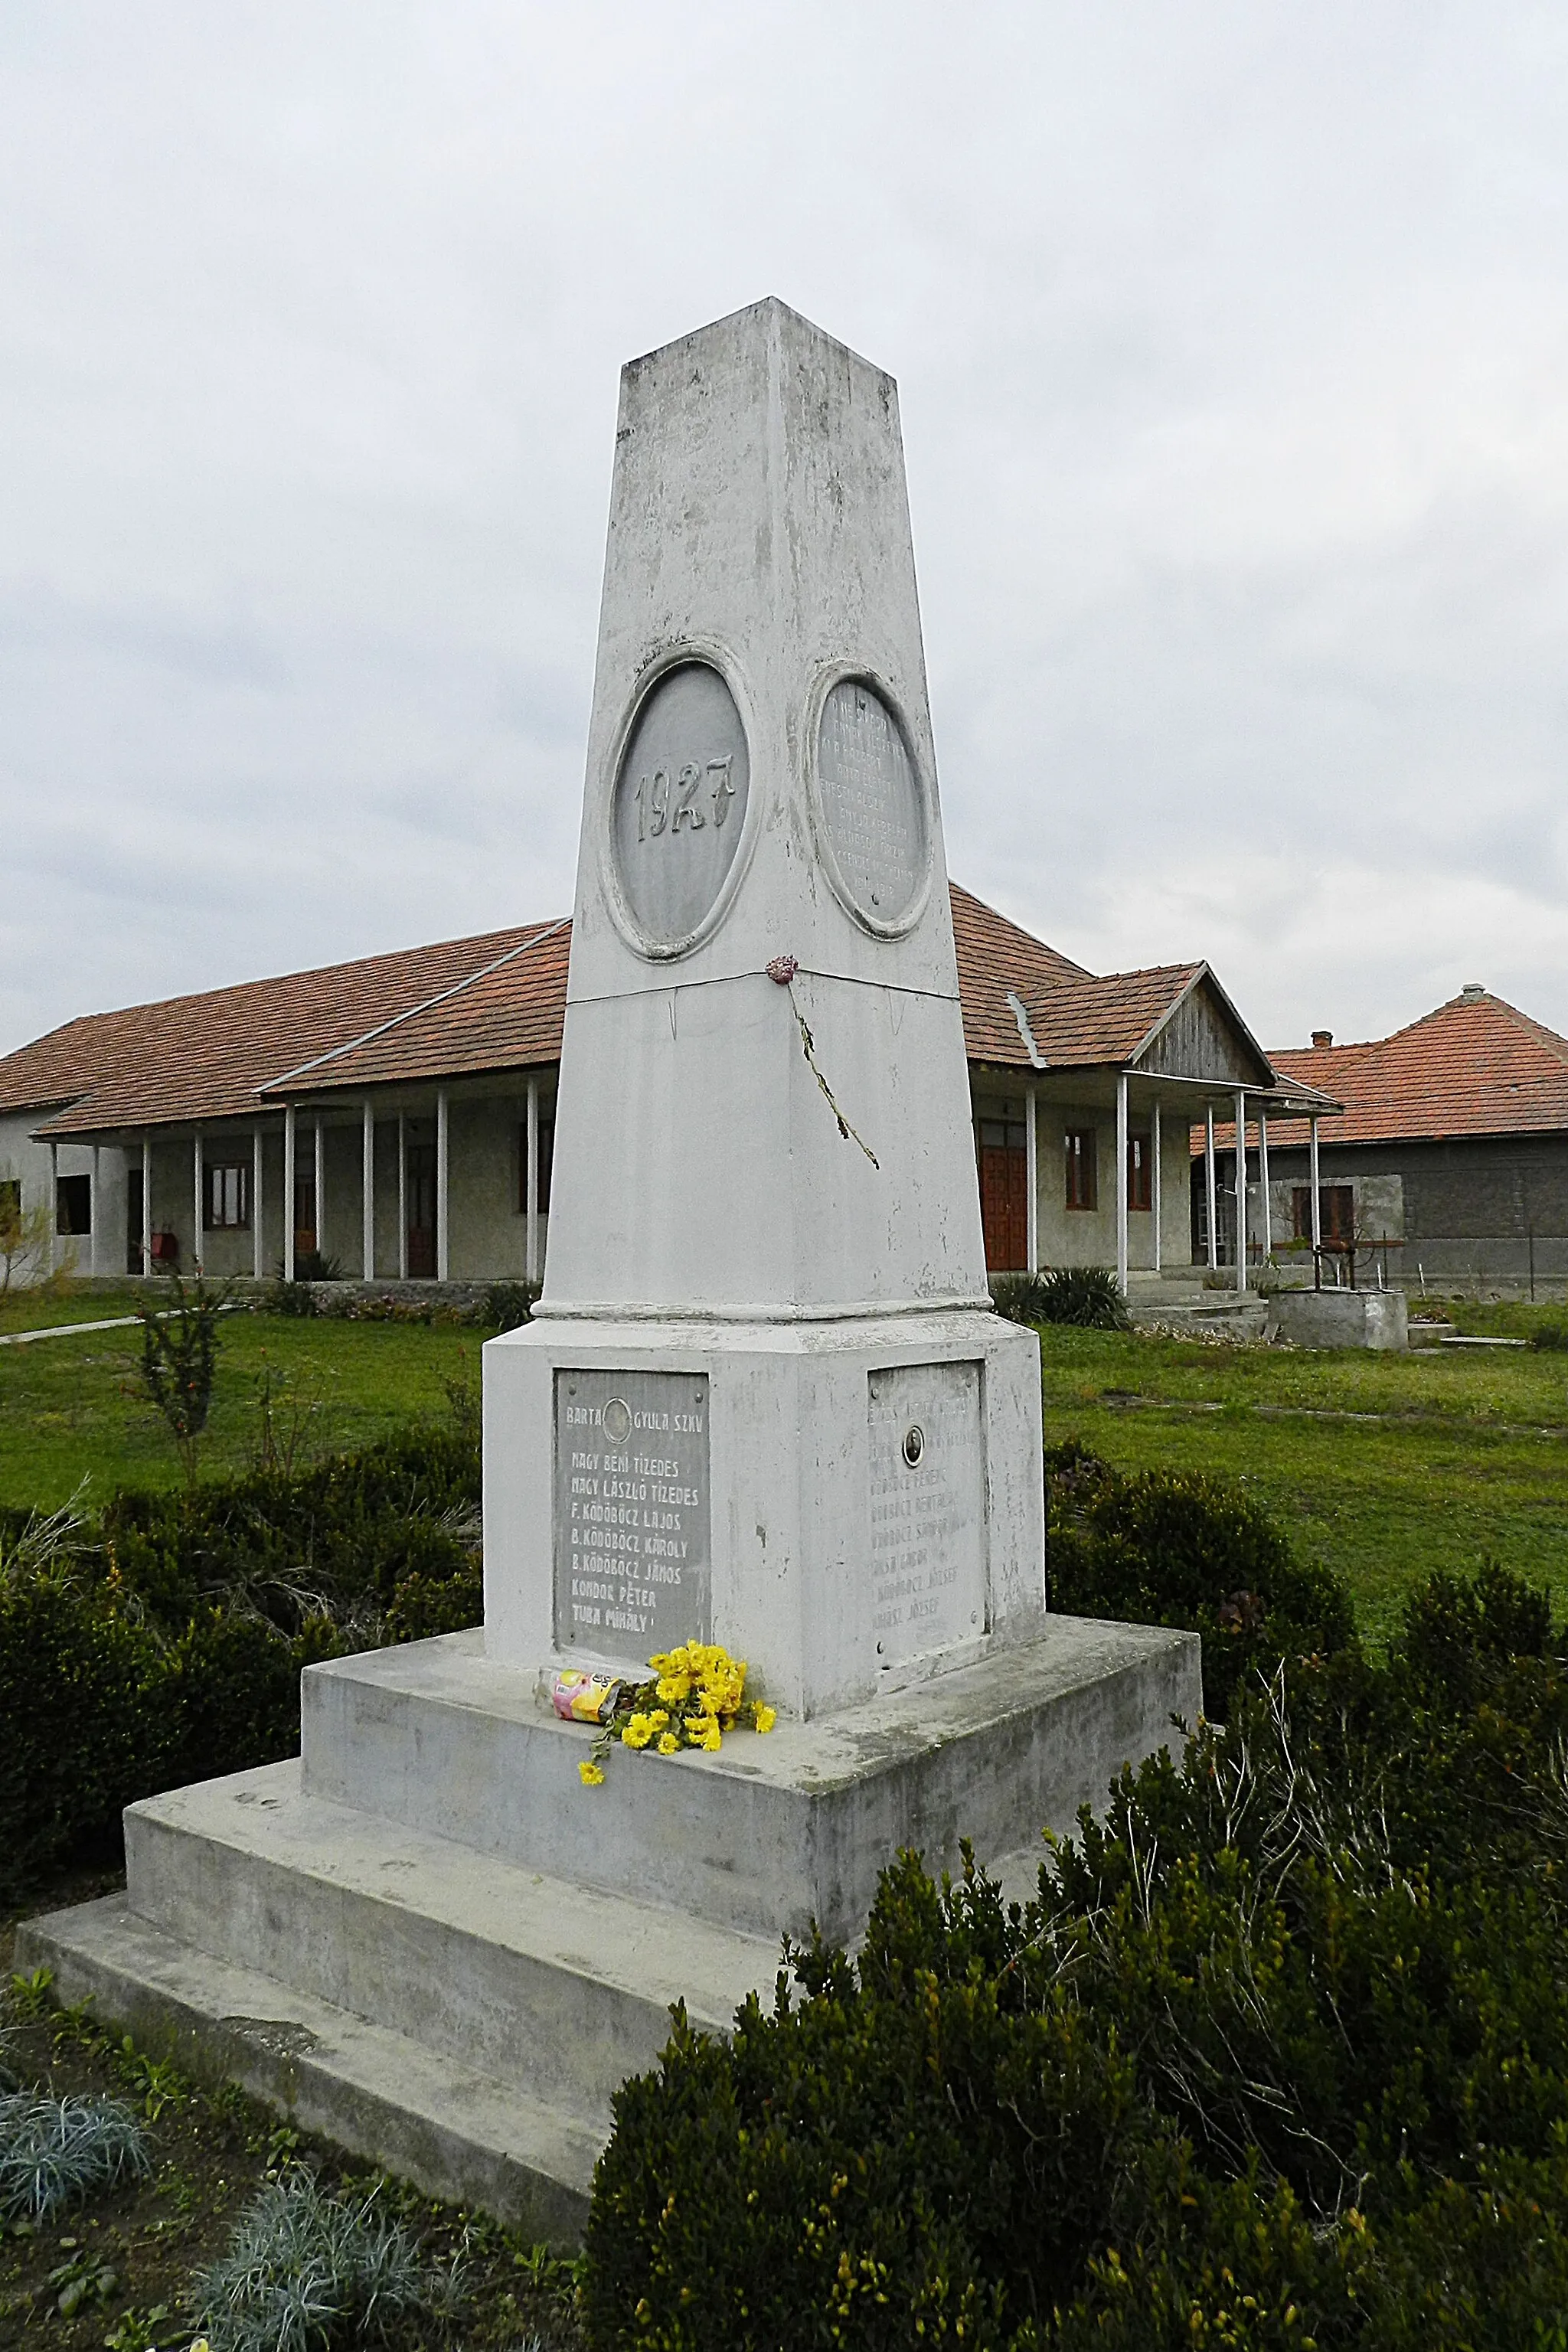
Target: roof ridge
412,1012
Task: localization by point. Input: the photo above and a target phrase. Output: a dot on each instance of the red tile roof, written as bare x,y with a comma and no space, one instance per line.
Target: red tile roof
497,1002
1476,1065
56,1068
209,1056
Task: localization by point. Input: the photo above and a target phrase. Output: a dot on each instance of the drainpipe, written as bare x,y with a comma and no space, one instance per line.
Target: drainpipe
1031,1180
1212,1188
258,1236
367,1192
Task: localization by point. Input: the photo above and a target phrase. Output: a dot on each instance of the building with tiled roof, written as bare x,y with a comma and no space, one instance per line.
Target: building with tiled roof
1450,1158
402,1106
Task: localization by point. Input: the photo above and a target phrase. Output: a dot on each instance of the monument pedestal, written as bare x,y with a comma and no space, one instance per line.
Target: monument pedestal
427,1940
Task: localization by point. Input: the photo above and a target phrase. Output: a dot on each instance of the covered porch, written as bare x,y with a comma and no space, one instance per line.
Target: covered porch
418,1182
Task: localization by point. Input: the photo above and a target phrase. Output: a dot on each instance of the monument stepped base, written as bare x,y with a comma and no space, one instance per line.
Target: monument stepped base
429,1942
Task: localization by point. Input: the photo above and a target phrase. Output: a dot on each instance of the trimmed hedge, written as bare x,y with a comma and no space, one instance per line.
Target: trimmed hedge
165,1644
1277,2055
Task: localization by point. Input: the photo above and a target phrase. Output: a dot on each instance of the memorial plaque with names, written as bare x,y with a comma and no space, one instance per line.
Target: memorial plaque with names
872,803
679,805
633,1562
928,1509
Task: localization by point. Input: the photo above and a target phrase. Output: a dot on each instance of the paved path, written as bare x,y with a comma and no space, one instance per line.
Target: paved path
114,1323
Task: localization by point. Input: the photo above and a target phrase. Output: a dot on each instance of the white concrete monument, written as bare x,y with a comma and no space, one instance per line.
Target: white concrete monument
764,1399
765,1263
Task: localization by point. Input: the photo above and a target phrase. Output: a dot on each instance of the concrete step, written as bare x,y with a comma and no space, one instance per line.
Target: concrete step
769,1833
453,2131
557,1989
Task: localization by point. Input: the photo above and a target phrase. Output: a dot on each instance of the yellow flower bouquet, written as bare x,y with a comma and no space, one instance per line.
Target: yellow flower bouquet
695,1694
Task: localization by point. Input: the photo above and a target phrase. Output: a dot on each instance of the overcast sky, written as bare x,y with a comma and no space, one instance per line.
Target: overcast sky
1232,344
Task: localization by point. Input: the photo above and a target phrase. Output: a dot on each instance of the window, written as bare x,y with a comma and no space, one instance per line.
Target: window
1338,1212
229,1195
10,1199
546,1161
73,1204
1082,1190
1140,1185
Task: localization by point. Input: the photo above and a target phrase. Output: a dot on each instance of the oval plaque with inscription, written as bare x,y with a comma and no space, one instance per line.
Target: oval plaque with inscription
679,806
872,805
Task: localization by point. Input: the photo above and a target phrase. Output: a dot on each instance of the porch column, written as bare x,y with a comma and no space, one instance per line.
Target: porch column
1155,1195
1212,1188
443,1154
258,1236
367,1192
530,1185
1032,1178
93,1208
198,1248
146,1203
1263,1185
320,1173
1317,1195
288,1174
1122,1181
54,1204
402,1198
1241,1188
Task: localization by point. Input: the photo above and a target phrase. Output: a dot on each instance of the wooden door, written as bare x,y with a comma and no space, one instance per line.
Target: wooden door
1004,1196
422,1210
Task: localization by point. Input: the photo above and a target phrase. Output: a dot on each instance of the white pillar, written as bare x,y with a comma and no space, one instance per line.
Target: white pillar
146,1203
1032,1177
1240,1187
257,1238
367,1194
402,1198
320,1174
93,1266
288,1175
1263,1185
442,1128
198,1248
1155,1191
1312,1180
1121,1155
530,1184
1212,1188
54,1204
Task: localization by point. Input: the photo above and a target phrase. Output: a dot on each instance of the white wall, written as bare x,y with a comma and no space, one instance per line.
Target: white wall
23,1158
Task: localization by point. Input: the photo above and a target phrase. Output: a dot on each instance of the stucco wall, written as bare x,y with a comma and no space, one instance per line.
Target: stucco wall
1088,1236
23,1161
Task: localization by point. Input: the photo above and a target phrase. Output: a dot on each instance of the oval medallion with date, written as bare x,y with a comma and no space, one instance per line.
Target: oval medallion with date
679,805
872,805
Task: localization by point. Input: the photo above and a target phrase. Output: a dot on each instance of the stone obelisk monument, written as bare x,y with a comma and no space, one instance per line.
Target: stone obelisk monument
764,1399
765,1286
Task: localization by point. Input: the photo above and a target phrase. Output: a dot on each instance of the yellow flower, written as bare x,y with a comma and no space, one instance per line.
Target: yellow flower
659,1718
639,1731
674,1688
667,1743
591,1775
764,1718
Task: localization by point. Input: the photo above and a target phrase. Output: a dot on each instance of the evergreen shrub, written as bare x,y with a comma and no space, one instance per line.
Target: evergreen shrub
163,1642
1181,1548
1276,2056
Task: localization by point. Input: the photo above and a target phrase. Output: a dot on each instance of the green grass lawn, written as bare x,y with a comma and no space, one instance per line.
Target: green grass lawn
73,1408
34,1310
1383,1467
1463,1452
